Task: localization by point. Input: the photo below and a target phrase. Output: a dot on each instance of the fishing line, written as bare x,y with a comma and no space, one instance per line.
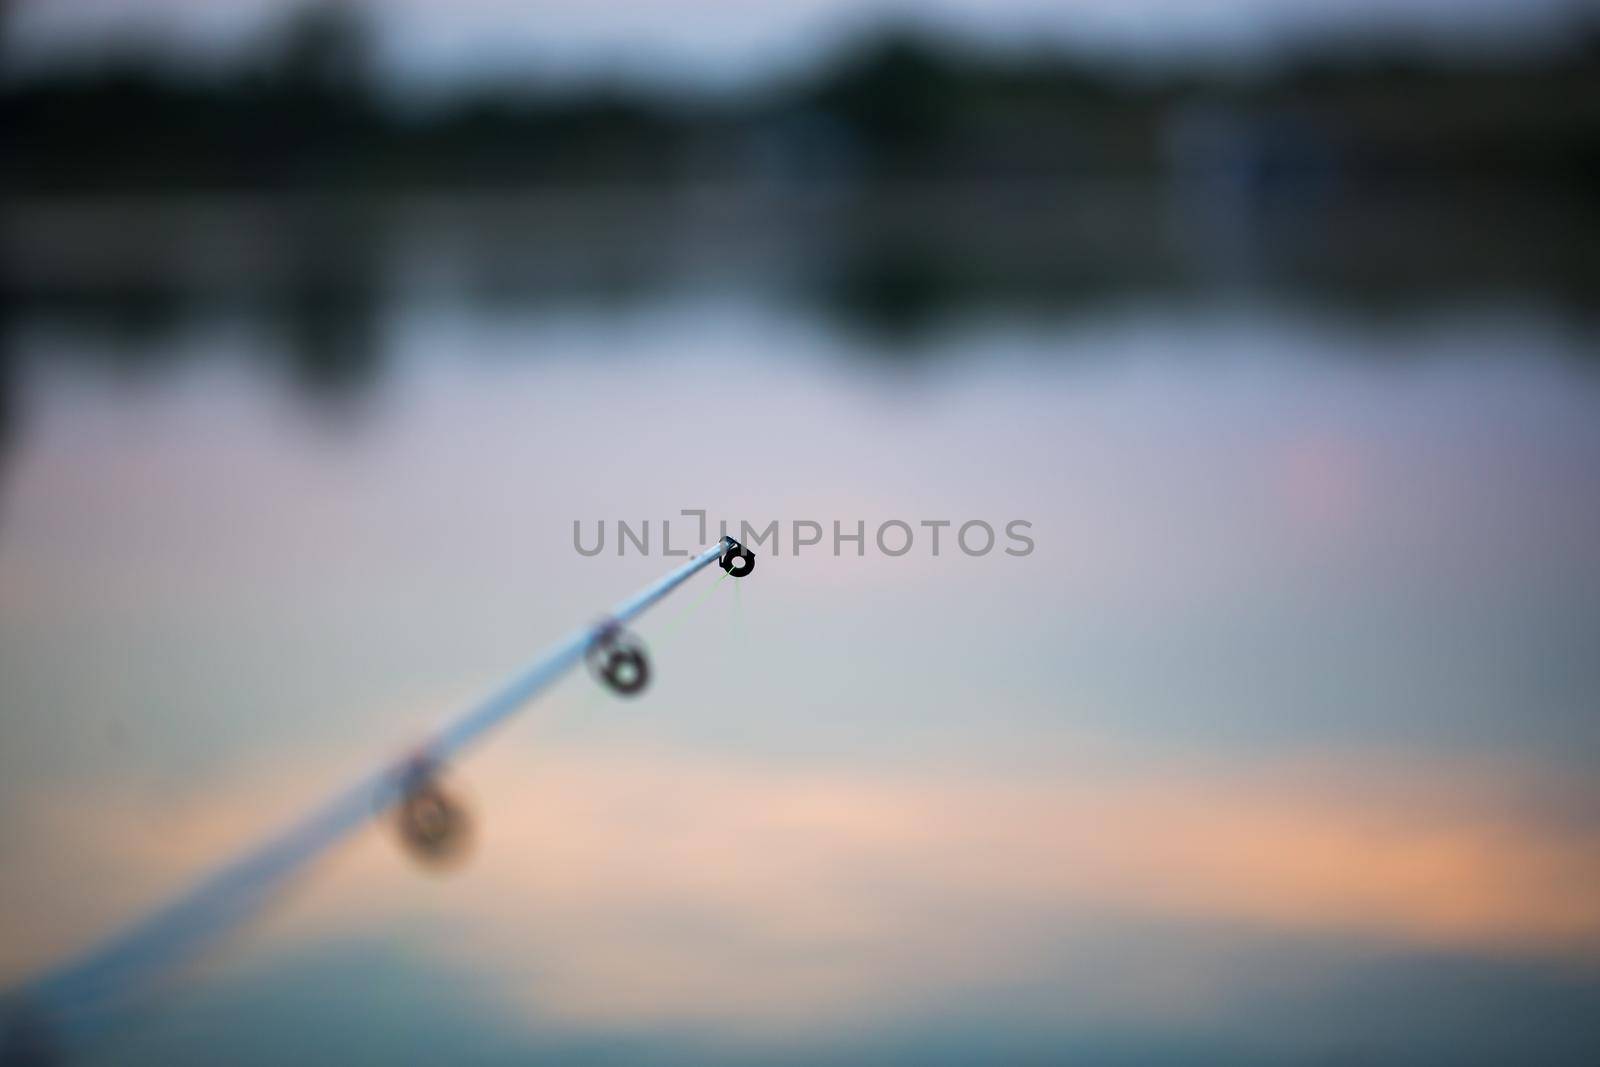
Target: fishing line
678,619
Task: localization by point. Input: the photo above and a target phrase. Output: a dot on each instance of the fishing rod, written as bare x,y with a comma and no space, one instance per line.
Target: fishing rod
84,997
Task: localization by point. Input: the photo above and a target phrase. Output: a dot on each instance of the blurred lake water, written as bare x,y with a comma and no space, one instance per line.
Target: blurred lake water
1279,746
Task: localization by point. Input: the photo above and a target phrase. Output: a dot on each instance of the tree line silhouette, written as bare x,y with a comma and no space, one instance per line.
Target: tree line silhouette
305,111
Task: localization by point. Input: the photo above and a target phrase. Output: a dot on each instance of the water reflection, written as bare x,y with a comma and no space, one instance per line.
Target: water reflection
1280,747
324,273
1297,683
730,903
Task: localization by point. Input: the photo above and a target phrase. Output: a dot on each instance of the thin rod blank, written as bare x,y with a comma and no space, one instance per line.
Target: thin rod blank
80,998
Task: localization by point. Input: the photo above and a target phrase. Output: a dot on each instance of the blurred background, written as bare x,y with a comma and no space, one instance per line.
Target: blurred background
320,325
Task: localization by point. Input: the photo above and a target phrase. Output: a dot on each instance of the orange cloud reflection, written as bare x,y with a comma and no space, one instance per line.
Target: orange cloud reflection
644,887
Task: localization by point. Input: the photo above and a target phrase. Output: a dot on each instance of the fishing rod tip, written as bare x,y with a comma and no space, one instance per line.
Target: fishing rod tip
736,559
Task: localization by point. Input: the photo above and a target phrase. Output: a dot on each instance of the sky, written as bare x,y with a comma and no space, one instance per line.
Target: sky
428,42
